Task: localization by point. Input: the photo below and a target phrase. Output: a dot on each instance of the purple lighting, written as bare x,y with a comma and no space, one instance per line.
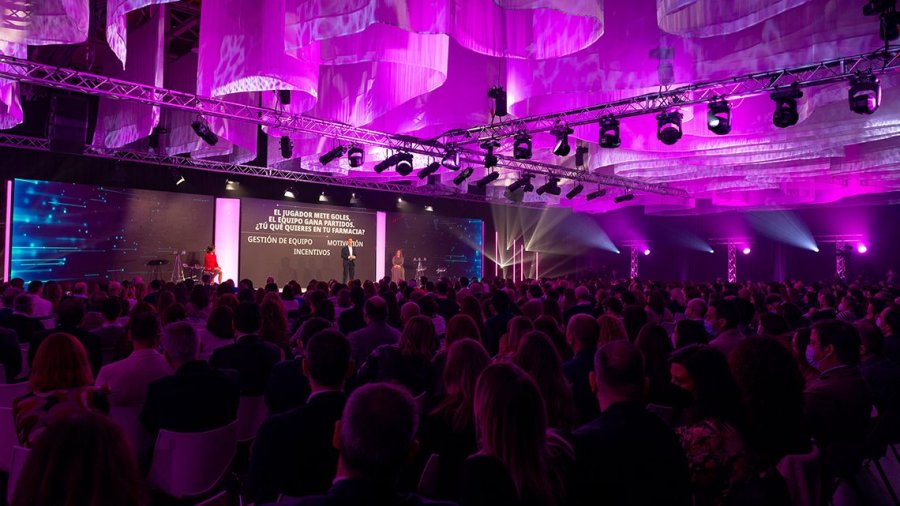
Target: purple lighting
646,252
745,251
862,248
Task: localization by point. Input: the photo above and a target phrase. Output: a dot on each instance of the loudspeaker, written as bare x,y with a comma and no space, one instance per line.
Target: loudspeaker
68,124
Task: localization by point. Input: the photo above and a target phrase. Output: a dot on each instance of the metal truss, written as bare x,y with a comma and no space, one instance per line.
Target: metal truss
446,192
732,262
635,262
818,74
83,82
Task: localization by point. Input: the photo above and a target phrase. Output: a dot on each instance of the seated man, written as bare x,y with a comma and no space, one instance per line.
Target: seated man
305,431
250,356
376,332
582,334
71,314
627,455
375,439
113,339
22,320
196,398
128,378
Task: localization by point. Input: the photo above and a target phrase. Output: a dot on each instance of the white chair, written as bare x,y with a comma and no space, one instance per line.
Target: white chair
191,464
11,392
8,438
129,419
252,412
803,475
220,499
428,482
19,456
24,348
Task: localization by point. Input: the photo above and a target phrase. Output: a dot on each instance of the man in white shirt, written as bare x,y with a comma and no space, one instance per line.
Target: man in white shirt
41,307
128,378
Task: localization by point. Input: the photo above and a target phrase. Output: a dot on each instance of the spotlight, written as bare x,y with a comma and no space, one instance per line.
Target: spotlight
451,160
399,200
718,118
864,94
487,179
231,185
815,250
562,140
646,252
490,159
287,147
355,156
862,248
179,179
596,194
429,209
520,183
332,155
575,191
609,133
580,151
324,198
386,163
404,164
522,146
551,187
462,176
430,169
289,193
201,128
623,198
745,251
668,127
786,114
499,95
712,251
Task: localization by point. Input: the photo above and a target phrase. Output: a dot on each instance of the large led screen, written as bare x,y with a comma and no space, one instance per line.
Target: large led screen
67,231
435,246
303,241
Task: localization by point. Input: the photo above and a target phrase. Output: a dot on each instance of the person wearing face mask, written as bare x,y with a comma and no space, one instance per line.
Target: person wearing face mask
837,403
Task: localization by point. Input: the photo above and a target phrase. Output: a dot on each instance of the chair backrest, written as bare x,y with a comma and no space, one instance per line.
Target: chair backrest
428,482
11,392
803,475
252,412
220,499
26,370
8,438
129,419
190,464
19,456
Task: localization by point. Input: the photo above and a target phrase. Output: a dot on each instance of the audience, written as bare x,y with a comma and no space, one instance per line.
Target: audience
71,314
582,334
250,356
112,334
408,362
377,331
725,318
537,356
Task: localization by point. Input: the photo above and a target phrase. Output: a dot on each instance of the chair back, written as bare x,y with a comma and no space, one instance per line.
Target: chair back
26,370
128,417
252,412
428,482
220,499
191,464
803,474
11,392
8,438
19,456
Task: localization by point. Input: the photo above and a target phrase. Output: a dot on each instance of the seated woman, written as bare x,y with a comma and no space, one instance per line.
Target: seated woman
61,386
408,362
211,263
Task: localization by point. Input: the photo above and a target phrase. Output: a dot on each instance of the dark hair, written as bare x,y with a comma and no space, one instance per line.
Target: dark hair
328,356
727,310
72,462
892,320
688,332
635,317
221,322
71,312
871,337
466,358
247,317
144,327
583,329
773,324
619,366
23,303
174,313
376,309
199,297
654,344
312,327
417,338
35,286
537,356
716,394
111,308
843,336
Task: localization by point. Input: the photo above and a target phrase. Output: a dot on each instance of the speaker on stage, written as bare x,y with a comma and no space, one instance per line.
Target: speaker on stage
68,125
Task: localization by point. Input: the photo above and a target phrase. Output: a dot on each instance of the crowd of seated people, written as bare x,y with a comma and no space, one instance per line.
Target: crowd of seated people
473,392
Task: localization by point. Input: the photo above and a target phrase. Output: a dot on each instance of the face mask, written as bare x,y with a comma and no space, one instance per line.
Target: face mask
810,354
878,322
841,307
708,326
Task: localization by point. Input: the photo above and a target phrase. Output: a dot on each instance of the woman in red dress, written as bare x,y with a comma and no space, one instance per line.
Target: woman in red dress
211,264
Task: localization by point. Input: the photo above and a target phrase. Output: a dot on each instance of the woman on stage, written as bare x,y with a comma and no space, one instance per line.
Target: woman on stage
211,264
398,273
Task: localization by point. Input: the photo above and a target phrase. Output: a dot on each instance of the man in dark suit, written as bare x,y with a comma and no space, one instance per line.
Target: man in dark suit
294,453
10,354
71,314
584,303
348,255
627,455
376,332
582,334
496,325
375,438
196,398
250,356
21,320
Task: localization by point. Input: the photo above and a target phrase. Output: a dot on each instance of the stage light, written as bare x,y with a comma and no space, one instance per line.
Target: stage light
451,160
490,159
463,175
562,140
815,250
862,248
580,151
609,133
522,146
596,194
386,163
668,127
201,128
551,187
712,251
404,164
287,147
864,94
179,179
718,118
575,191
231,185
487,179
429,209
623,198
745,251
520,183
399,200
646,252
499,95
332,155
786,114
289,193
888,18
324,198
355,156
429,169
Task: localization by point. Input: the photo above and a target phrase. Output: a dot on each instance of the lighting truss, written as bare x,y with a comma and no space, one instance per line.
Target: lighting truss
92,84
760,83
